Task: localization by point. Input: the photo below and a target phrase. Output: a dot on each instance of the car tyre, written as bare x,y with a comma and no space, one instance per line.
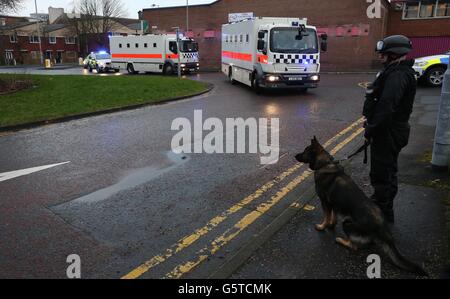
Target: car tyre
434,77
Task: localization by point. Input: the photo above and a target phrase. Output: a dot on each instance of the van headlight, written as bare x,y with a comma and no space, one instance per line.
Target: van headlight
420,63
315,77
272,78
183,65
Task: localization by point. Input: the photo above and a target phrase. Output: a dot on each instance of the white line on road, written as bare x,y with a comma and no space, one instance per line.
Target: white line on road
17,173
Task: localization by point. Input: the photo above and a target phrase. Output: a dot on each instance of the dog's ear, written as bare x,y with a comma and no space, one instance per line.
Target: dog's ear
314,141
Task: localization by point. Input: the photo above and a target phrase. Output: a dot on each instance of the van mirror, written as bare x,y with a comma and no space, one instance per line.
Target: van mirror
261,45
324,42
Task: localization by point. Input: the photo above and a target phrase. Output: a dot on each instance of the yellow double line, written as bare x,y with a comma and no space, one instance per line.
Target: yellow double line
247,220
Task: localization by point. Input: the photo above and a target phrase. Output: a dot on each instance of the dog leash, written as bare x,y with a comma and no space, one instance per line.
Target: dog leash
364,148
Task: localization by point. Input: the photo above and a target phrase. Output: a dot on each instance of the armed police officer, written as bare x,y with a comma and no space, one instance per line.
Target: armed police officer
388,106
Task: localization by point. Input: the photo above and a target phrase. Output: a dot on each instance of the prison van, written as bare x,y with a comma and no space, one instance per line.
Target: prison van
154,53
272,53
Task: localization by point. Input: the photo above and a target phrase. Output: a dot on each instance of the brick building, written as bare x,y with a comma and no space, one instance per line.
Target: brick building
352,35
427,23
60,42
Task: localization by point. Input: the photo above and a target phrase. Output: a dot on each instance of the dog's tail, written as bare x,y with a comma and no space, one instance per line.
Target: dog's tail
400,261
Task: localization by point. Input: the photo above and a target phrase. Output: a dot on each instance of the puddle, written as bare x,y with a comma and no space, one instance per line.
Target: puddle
133,179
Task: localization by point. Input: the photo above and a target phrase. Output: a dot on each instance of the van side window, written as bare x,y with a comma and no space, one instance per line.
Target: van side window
241,38
235,38
128,45
120,45
145,45
247,38
154,45
137,45
173,47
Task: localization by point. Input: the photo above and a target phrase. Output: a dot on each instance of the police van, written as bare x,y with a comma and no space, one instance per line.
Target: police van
272,53
157,53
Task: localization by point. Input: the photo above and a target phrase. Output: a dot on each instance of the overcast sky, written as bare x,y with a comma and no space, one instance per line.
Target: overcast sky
132,6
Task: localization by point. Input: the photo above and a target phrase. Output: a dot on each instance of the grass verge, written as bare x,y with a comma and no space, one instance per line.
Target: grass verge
53,97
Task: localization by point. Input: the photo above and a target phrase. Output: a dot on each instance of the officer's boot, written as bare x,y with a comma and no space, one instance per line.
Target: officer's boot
385,205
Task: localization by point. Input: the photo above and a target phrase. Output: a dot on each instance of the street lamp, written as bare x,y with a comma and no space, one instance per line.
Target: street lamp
187,15
39,33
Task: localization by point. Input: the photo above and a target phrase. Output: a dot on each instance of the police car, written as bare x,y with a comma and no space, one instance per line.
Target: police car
431,69
100,61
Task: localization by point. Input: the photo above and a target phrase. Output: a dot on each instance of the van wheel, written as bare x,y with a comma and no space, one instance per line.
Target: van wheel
168,69
116,70
230,76
130,69
435,76
255,84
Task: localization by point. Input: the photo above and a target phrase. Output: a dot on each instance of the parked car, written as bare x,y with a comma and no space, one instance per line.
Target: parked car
431,69
100,61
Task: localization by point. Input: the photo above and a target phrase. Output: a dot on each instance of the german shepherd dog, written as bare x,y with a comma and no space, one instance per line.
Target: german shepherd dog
363,222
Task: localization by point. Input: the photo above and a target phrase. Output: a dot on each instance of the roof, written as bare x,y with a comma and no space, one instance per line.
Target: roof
54,27
210,4
181,6
17,25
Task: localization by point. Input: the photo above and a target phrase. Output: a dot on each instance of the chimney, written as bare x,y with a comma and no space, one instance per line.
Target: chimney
54,14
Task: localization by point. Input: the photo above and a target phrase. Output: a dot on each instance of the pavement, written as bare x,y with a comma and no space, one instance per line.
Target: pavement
131,208
420,229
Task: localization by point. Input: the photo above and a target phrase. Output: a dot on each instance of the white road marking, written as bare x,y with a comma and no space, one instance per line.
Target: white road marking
17,173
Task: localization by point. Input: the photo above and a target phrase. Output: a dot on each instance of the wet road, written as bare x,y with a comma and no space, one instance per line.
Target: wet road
130,207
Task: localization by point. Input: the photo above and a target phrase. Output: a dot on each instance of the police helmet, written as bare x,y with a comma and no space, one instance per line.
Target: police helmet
395,44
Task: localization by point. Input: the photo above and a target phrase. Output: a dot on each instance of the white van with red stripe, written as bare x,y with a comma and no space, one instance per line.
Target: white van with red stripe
154,53
272,53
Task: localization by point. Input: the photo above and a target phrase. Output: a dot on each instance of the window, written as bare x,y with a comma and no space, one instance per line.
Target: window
120,46
128,45
52,40
443,9
241,38
173,47
145,45
2,22
235,38
34,39
13,38
70,40
247,38
155,45
426,9
136,45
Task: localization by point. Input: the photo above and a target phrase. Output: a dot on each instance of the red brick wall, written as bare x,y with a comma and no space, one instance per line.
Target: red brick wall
347,53
25,57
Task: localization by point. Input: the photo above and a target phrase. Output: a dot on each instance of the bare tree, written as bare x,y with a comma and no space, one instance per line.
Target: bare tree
111,9
9,5
97,18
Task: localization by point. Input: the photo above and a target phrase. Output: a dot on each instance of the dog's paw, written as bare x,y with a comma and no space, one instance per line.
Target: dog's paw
321,227
346,243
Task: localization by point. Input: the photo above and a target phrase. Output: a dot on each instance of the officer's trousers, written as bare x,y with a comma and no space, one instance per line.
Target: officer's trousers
383,171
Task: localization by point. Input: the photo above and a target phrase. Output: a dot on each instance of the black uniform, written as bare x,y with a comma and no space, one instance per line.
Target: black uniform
388,107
